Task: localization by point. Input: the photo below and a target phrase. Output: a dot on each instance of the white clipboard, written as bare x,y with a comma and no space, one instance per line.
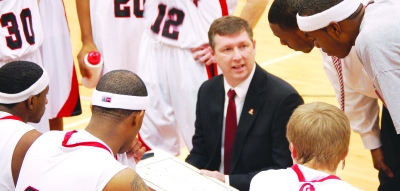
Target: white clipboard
164,172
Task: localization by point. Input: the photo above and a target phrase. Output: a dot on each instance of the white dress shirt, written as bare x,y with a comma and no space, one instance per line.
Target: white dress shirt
241,91
361,106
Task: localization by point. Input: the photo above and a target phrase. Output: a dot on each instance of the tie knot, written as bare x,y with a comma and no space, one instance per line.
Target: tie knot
231,94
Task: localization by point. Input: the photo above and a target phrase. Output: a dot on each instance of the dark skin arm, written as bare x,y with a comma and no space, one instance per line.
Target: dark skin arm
126,180
20,150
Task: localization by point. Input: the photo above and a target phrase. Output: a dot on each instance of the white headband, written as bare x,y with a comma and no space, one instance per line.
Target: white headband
118,101
34,89
320,20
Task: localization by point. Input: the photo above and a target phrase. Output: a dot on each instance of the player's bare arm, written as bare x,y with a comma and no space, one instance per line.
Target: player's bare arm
253,11
138,184
83,8
126,180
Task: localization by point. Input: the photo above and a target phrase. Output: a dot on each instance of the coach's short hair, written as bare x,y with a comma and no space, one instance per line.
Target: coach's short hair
228,25
283,13
121,82
17,76
320,132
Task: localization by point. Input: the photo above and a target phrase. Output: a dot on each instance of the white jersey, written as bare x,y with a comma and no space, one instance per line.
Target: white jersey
361,106
66,161
20,29
58,61
117,27
298,178
11,131
184,23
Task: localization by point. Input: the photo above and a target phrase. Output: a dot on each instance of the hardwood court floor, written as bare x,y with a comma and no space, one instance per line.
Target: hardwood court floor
303,71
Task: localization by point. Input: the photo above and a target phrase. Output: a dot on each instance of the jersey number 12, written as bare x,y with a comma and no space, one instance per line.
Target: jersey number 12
170,29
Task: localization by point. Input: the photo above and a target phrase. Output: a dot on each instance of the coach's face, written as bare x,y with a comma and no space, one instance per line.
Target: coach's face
235,55
293,38
329,42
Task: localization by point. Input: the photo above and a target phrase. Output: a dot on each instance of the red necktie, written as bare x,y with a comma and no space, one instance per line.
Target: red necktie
230,130
338,66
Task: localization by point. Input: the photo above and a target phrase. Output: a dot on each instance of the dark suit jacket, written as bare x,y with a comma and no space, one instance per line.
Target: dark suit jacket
260,141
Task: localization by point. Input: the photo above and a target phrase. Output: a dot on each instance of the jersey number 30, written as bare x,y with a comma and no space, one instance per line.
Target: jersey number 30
9,20
175,18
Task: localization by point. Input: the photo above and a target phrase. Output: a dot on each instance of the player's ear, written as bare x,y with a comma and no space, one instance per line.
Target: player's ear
293,149
334,29
31,102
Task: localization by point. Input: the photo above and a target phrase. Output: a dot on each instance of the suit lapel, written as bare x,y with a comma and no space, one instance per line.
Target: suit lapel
217,100
250,110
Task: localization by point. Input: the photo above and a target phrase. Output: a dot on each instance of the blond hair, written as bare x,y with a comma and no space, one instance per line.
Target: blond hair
320,132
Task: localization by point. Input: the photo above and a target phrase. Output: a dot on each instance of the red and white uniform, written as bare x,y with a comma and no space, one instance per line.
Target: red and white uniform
11,131
21,36
58,61
298,178
167,67
66,161
117,27
20,31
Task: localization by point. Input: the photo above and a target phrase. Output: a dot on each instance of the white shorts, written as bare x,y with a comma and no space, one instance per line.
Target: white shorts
172,79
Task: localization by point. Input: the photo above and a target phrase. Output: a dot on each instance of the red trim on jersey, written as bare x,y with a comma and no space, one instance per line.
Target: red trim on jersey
143,143
73,97
212,70
224,7
89,144
12,117
301,177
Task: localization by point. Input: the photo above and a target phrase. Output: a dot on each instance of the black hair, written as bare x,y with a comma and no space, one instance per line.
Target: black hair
308,8
283,13
18,76
121,82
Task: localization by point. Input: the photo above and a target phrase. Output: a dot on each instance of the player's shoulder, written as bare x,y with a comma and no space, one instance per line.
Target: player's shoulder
126,179
271,179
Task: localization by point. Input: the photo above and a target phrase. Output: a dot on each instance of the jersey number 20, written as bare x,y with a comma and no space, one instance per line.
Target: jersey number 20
9,20
126,10
175,18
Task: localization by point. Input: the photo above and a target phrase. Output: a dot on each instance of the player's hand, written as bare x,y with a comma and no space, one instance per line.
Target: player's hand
203,54
86,48
136,150
379,163
214,174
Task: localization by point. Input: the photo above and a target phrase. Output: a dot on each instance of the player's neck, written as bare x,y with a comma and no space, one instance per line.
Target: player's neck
326,170
105,132
15,112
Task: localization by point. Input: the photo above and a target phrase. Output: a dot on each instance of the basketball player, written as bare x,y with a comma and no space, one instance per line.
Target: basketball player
58,61
85,160
336,26
175,32
112,27
23,89
319,137
21,36
359,99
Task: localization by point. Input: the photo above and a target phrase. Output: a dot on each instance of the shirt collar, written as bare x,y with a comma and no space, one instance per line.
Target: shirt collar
241,89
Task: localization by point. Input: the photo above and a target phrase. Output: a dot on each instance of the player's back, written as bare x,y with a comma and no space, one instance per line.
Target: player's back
55,162
184,23
21,28
11,131
298,178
